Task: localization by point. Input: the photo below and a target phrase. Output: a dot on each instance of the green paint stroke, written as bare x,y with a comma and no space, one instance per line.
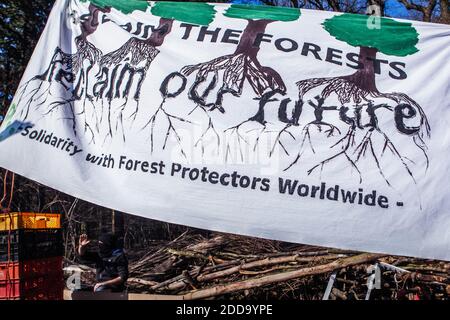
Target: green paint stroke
392,37
9,115
191,12
125,6
241,11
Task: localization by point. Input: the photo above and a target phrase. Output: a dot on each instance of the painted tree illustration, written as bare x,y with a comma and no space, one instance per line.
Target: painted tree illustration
118,70
65,68
242,66
126,67
70,70
193,13
392,38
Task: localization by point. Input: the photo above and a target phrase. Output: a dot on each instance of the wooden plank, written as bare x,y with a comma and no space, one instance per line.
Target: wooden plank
142,296
87,295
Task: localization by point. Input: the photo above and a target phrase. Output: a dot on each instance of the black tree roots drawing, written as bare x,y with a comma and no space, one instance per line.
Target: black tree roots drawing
119,75
238,68
360,88
241,66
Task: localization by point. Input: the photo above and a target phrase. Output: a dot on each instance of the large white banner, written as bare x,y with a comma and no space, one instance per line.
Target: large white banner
306,126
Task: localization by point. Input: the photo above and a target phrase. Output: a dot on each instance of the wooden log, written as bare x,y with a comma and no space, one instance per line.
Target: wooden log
282,267
429,278
262,263
207,245
425,269
194,272
280,277
246,266
187,253
142,281
338,293
350,282
159,255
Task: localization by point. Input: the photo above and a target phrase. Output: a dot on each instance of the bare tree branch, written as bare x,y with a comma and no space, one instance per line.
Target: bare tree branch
426,8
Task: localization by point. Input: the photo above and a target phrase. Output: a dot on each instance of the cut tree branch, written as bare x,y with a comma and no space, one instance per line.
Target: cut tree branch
280,277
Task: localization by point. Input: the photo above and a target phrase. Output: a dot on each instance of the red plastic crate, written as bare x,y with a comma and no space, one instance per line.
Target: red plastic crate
53,293
30,268
48,287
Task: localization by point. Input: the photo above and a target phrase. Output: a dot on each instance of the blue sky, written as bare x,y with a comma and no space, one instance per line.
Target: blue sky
396,9
393,7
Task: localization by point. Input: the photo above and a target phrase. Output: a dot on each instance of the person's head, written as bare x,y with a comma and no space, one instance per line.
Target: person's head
107,243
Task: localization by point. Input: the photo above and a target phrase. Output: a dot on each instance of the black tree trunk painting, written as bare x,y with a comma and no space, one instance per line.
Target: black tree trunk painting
119,69
231,72
195,13
66,69
238,67
118,75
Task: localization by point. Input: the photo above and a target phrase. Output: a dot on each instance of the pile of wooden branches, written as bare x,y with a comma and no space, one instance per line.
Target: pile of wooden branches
237,267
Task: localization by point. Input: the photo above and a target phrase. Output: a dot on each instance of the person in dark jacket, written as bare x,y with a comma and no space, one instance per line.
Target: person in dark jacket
111,262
